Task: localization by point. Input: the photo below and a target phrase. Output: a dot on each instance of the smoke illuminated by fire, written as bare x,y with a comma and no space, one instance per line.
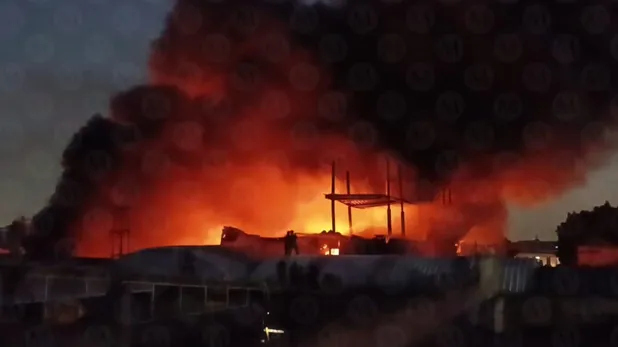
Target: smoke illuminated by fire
260,198
259,157
243,118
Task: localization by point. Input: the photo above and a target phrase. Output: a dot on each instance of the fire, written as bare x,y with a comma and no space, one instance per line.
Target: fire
265,203
326,250
241,119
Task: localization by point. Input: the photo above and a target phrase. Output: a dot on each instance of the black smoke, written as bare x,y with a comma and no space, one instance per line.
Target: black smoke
90,153
441,91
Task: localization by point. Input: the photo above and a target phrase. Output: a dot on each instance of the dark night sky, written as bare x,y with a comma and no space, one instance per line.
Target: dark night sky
60,61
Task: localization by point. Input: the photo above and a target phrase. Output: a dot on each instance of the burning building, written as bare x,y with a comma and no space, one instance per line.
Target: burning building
250,101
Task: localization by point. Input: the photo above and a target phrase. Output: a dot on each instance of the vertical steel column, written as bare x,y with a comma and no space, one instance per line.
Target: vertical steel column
332,201
388,196
403,213
348,188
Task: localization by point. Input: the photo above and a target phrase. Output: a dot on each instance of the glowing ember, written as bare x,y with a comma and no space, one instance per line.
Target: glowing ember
324,250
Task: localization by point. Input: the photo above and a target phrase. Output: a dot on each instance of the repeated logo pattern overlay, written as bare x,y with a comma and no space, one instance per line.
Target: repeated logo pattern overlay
454,78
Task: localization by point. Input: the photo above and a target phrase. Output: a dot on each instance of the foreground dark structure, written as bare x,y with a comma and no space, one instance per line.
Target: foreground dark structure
85,301
305,301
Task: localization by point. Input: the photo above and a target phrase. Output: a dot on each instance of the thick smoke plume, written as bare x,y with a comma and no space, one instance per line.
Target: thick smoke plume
250,101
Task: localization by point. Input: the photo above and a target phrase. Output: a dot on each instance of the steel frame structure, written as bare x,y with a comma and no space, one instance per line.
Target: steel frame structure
365,201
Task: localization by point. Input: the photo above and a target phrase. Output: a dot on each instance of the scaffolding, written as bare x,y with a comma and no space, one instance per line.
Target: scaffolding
365,201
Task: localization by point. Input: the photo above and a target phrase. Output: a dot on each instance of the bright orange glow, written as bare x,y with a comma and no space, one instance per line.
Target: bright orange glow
251,148
324,250
258,199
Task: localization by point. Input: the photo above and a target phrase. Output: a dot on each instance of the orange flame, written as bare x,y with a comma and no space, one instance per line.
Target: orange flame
259,149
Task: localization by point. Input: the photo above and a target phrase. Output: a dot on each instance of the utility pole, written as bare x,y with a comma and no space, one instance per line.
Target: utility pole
121,234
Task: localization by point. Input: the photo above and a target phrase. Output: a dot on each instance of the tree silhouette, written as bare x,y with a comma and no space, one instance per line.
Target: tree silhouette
597,227
16,232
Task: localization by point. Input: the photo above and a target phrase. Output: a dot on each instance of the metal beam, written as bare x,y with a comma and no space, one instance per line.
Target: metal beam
343,197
